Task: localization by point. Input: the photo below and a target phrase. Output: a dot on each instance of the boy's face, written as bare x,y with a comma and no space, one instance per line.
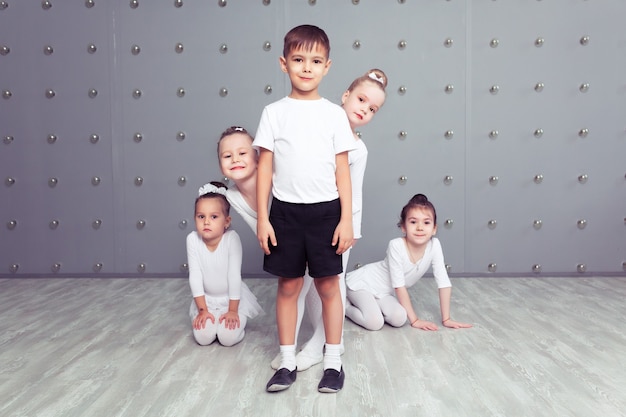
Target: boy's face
306,70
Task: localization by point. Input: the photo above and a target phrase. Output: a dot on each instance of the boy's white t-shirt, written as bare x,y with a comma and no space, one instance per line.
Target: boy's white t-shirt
305,136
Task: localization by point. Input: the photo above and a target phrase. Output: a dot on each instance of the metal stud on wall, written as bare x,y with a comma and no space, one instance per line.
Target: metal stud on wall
539,103
57,138
514,129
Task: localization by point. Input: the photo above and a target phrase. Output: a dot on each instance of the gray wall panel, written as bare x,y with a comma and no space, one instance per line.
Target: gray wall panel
423,46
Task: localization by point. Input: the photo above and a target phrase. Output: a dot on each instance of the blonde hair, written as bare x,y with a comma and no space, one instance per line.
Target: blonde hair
231,131
375,76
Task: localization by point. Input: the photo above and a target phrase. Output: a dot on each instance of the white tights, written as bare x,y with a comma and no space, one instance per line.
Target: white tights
218,331
372,313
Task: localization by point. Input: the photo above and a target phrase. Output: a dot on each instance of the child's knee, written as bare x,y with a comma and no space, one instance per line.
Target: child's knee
397,318
204,338
289,287
327,287
230,338
375,323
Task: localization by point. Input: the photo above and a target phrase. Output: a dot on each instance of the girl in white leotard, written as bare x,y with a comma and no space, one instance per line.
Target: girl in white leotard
222,303
378,292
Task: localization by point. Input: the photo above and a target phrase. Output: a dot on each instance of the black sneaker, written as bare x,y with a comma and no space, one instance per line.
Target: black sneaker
332,381
282,379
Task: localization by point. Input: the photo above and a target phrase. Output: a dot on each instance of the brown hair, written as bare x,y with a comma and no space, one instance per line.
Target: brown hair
418,200
213,194
307,37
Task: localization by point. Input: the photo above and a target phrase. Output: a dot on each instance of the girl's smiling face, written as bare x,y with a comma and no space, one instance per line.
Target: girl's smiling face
238,160
419,225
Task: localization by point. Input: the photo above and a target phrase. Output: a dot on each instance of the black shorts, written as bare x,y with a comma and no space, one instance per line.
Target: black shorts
304,233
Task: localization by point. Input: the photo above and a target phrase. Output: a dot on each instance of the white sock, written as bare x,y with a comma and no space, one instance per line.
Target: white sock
288,357
332,357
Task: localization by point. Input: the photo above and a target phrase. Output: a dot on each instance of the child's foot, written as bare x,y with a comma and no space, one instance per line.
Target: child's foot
282,379
275,363
306,359
332,381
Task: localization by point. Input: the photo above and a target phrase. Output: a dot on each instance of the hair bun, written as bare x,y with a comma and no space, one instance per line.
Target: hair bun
377,75
419,199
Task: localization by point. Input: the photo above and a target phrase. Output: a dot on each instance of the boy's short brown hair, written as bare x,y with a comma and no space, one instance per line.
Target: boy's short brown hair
307,37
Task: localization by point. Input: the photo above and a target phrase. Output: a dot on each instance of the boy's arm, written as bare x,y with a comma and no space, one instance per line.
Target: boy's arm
265,231
344,234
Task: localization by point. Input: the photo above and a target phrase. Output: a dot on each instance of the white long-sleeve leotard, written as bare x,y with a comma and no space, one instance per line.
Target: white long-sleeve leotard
357,158
236,200
396,270
217,274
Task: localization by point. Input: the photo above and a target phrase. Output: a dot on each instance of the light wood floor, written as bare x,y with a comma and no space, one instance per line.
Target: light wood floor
123,347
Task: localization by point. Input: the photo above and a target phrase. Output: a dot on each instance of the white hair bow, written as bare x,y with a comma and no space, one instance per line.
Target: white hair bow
375,77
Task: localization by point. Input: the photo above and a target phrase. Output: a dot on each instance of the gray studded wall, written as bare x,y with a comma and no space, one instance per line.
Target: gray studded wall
510,115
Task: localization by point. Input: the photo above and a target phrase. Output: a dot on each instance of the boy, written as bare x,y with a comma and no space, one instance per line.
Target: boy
304,141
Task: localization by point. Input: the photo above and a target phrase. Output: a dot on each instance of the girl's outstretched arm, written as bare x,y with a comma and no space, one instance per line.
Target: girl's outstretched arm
405,301
445,294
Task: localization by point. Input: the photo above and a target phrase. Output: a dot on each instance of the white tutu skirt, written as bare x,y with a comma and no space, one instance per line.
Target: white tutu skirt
248,304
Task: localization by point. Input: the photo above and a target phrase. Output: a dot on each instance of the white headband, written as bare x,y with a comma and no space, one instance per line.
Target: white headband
210,188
